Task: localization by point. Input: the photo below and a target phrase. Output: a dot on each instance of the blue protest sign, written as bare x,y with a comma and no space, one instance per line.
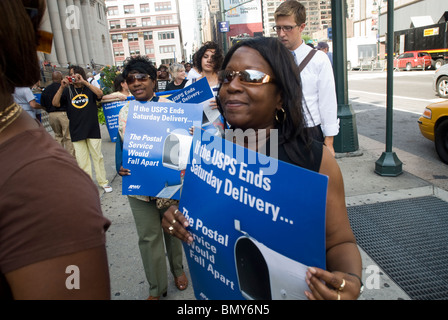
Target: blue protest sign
200,92
197,92
156,147
111,110
37,96
166,94
255,232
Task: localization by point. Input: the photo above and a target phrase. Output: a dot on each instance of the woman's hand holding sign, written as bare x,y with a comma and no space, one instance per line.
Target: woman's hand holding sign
174,223
325,285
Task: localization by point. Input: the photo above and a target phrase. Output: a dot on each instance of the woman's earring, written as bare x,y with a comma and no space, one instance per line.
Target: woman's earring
284,115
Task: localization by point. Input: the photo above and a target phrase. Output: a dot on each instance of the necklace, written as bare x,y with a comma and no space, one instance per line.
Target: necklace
212,78
77,93
8,116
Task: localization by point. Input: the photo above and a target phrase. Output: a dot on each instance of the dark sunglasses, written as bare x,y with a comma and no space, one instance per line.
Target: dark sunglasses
130,79
254,77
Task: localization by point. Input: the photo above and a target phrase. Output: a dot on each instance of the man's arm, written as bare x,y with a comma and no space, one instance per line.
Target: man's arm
97,91
51,282
57,97
328,107
32,99
35,105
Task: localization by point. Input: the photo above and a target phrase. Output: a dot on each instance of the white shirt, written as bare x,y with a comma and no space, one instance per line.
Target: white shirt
94,82
23,96
319,91
193,74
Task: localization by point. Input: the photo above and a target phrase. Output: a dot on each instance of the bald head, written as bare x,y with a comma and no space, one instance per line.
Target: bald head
56,76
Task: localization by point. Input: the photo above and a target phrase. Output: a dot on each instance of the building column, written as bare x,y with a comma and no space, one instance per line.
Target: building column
74,28
66,33
46,26
104,39
85,8
83,29
58,39
125,43
94,36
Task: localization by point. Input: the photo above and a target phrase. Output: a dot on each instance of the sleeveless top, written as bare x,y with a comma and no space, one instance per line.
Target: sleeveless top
309,158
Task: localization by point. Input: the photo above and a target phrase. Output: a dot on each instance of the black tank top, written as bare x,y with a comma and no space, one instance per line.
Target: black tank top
309,158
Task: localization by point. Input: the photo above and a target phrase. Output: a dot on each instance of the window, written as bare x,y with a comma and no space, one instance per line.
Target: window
134,50
133,36
162,6
117,38
114,24
166,35
168,61
147,35
118,53
167,49
112,11
131,23
149,50
146,22
129,9
162,20
100,10
144,8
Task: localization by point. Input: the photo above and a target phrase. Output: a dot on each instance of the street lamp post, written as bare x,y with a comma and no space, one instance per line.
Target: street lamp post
223,18
347,139
389,164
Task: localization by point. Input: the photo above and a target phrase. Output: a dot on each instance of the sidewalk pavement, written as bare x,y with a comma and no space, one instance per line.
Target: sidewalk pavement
362,186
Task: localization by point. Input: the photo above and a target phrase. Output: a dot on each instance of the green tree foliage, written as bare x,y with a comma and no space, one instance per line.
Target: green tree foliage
108,75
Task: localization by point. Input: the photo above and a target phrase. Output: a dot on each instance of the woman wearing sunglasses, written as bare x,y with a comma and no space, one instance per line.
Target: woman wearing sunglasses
259,90
141,77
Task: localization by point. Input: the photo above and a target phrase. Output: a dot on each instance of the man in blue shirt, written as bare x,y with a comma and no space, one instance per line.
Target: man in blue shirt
323,46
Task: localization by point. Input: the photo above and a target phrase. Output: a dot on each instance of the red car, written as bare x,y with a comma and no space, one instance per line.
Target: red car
413,60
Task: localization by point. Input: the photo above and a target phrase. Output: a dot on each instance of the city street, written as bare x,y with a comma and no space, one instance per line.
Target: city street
412,93
422,179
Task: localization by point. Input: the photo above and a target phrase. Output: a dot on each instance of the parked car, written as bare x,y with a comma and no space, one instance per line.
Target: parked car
433,124
413,60
440,81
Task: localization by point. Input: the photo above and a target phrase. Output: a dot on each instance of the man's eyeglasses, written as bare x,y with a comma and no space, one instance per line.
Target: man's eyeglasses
284,28
130,79
253,77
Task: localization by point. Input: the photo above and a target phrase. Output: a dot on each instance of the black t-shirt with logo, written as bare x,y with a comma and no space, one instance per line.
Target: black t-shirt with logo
82,112
161,85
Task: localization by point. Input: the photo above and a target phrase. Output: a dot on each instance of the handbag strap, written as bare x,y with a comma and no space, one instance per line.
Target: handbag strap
307,59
